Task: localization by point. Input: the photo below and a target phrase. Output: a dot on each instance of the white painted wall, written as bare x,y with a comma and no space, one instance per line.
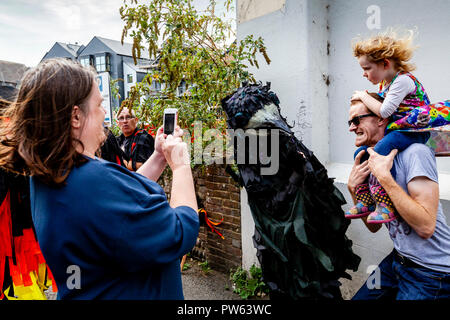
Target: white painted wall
251,9
297,47
247,230
126,71
317,78
296,40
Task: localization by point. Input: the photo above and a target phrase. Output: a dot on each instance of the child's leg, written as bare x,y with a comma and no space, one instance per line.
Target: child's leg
385,210
400,141
365,155
365,204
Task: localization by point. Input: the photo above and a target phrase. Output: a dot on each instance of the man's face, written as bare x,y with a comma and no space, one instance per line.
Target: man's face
127,122
370,128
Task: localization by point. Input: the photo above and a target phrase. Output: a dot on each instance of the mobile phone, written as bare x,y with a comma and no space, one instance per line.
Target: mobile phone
170,120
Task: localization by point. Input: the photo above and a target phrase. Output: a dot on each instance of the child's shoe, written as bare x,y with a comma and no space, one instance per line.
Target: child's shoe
365,204
385,210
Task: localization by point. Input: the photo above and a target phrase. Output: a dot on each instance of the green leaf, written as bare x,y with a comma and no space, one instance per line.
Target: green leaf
192,47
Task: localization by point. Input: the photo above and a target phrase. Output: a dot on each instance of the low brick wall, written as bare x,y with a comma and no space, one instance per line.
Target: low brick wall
219,195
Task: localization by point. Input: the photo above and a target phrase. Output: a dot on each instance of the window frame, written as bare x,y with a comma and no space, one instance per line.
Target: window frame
156,85
85,61
130,75
99,66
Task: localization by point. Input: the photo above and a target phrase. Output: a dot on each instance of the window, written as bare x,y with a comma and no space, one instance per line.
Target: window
108,62
182,88
156,85
129,78
100,63
85,61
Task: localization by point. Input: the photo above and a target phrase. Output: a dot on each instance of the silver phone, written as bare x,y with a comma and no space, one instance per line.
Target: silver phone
170,120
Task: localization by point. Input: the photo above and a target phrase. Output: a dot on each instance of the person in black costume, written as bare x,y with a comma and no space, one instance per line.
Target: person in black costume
299,227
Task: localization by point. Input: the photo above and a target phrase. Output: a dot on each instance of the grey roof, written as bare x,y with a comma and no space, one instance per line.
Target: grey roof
152,64
11,72
7,92
125,50
136,68
73,49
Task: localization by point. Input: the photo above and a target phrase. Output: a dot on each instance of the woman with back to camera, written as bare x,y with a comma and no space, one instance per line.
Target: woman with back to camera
105,232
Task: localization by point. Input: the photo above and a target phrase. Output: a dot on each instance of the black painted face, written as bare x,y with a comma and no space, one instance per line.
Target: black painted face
242,105
240,120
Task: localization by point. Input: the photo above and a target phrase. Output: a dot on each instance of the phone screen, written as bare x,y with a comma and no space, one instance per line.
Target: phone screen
169,123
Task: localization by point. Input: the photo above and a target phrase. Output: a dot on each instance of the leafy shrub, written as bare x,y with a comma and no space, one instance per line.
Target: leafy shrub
248,285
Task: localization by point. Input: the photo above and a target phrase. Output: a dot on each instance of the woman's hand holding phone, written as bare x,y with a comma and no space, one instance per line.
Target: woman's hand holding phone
174,149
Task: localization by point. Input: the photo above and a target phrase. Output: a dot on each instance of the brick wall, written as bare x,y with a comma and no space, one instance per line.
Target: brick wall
219,195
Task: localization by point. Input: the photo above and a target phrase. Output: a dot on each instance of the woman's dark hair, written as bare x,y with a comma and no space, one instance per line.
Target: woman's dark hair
37,138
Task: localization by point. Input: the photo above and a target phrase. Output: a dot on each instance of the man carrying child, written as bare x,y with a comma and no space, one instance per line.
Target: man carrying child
419,266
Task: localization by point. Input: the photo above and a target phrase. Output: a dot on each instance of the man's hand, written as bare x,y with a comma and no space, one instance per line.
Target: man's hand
127,164
359,173
380,166
418,207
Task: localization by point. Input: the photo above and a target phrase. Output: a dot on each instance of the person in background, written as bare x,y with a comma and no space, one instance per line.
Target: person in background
137,144
106,232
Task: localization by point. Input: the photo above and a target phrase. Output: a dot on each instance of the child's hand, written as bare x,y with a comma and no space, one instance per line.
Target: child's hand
358,95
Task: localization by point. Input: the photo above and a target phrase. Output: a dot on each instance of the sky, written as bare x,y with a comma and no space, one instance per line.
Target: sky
29,28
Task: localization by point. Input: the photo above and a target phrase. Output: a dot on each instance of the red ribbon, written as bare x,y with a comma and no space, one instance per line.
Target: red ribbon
210,223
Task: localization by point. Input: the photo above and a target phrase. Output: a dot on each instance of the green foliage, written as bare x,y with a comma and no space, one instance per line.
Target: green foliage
189,46
205,266
248,285
115,128
186,266
113,84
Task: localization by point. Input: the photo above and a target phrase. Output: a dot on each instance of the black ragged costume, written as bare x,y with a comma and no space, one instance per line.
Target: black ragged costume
300,226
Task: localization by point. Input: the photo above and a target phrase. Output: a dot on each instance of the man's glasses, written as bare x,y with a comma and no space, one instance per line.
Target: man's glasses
125,118
357,120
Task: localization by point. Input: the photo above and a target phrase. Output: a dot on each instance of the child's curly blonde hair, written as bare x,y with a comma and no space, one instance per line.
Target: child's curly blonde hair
387,45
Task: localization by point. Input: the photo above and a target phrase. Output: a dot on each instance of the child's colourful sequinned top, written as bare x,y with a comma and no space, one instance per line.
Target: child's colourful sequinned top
414,104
